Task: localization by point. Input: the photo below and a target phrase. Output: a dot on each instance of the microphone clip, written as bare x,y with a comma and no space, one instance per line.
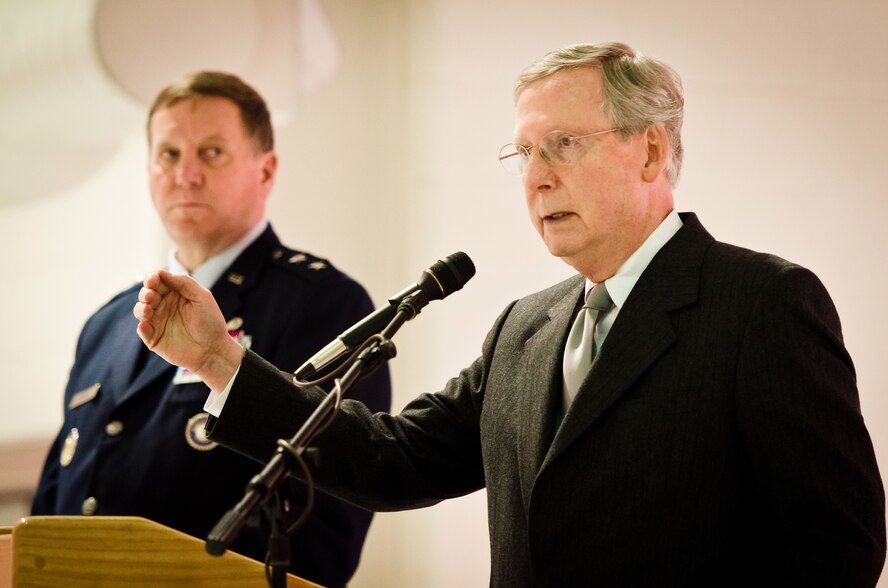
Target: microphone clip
262,489
412,305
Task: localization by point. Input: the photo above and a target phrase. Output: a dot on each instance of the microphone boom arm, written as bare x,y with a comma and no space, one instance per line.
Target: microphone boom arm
262,487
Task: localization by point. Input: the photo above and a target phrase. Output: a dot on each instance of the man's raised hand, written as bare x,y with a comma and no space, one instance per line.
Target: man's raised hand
181,322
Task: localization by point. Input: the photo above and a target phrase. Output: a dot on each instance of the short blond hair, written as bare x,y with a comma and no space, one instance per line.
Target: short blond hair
253,110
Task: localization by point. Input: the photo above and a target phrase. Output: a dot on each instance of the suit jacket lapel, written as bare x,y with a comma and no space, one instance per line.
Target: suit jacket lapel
540,380
641,333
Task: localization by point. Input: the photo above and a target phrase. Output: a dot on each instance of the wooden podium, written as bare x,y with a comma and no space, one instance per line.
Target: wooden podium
118,551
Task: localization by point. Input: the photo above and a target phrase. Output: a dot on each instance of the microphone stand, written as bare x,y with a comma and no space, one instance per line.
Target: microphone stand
263,487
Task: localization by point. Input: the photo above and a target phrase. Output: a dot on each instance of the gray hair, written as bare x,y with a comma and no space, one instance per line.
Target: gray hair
638,91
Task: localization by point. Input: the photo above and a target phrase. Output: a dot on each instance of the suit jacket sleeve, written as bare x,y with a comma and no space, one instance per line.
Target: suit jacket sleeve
429,452
810,453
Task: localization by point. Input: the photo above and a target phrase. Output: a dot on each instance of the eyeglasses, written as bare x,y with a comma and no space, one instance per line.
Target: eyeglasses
556,147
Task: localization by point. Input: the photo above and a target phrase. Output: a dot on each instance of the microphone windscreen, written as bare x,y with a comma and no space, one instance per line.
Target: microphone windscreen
447,275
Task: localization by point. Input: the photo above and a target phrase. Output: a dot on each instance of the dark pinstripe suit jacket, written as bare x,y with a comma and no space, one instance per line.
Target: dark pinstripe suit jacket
718,440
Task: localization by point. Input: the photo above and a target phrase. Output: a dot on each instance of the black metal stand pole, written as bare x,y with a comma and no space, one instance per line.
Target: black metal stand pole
263,485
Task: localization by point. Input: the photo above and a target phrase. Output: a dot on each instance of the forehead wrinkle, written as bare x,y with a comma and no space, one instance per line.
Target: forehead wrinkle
568,101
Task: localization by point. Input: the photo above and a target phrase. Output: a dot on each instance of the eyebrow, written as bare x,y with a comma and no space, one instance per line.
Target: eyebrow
217,138
214,138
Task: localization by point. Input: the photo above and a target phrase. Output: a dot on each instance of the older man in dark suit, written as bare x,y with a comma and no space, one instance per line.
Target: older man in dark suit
681,413
133,440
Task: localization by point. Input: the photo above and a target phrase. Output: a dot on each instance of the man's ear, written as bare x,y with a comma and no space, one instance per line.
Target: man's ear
269,168
658,150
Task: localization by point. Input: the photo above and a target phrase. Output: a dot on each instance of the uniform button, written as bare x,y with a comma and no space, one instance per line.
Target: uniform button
90,506
114,428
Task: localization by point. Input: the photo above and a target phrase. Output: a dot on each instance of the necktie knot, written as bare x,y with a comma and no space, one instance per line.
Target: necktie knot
599,298
582,346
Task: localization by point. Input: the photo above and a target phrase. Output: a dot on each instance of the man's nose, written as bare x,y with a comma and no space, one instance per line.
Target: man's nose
189,172
538,173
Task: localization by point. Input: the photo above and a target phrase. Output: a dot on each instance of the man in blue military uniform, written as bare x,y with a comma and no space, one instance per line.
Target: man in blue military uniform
132,441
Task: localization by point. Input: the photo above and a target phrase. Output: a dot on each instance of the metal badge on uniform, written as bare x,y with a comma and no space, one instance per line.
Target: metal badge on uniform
84,396
234,329
196,433
242,338
69,447
185,376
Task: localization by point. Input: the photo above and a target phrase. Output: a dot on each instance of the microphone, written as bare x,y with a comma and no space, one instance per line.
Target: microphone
445,277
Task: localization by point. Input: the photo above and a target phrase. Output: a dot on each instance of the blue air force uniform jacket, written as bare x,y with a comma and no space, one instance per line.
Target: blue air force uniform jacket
133,442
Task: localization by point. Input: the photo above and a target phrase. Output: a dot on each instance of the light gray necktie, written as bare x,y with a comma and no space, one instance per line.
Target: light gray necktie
581,342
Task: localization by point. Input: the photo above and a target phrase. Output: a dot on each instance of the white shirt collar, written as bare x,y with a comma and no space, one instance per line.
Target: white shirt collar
212,269
620,284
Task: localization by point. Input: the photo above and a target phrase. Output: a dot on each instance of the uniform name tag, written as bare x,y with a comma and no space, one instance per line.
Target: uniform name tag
84,396
185,376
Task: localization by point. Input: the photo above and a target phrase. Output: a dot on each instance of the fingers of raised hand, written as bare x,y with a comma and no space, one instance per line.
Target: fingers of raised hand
149,296
145,331
155,281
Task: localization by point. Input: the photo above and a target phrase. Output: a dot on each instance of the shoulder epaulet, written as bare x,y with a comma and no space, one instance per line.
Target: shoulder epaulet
301,263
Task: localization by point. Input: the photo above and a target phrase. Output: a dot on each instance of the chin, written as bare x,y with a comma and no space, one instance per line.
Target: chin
569,255
558,248
571,261
186,232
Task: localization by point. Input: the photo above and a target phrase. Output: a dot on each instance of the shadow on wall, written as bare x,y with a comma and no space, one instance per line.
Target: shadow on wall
38,172
61,116
78,76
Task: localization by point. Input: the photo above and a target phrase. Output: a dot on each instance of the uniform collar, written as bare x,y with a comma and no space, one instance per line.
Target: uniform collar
209,272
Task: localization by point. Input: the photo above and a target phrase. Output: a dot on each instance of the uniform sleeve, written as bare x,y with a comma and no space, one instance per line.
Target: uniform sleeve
44,502
45,495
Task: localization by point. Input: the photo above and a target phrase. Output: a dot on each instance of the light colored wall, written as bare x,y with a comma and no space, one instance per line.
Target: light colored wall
392,165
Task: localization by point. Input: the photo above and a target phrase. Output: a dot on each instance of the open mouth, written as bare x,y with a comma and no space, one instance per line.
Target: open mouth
557,216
